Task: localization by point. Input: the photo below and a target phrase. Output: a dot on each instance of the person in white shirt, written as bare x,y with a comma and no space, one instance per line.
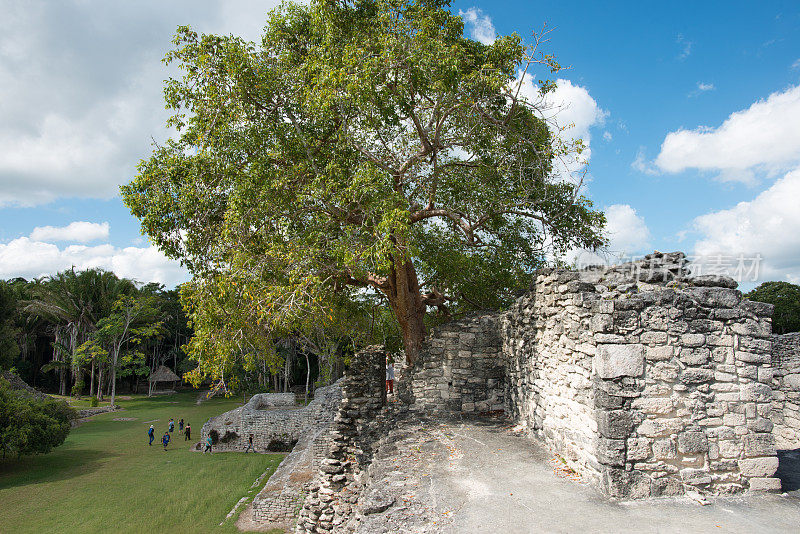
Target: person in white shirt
389,376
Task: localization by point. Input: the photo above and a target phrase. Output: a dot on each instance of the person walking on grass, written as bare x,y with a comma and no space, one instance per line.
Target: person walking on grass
188,432
250,445
171,425
208,446
180,425
151,432
165,440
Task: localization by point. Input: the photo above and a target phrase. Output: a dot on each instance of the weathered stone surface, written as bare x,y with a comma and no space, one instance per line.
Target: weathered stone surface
615,424
759,445
765,484
616,360
692,442
758,467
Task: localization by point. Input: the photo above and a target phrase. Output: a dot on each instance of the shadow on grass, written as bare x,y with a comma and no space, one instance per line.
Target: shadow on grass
58,465
789,469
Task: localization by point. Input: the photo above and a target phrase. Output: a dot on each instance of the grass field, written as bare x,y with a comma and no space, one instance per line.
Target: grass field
105,477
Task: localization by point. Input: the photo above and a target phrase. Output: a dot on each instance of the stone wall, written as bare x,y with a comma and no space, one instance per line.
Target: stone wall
786,405
459,369
548,346
272,418
649,382
357,427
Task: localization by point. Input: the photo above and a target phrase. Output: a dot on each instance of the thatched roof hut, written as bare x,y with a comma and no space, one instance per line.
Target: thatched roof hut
164,374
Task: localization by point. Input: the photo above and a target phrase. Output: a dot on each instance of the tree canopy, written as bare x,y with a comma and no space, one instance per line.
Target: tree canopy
361,146
786,299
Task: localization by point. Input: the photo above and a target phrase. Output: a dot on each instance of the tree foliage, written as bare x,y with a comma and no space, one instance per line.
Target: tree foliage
8,333
29,425
786,299
362,145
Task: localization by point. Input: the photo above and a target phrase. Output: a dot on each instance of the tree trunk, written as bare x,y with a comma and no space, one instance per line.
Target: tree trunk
114,375
406,302
91,382
308,376
100,383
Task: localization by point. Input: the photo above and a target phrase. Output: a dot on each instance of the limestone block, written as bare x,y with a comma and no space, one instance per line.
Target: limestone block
616,360
752,357
791,382
664,449
755,391
697,356
695,477
655,405
659,353
693,340
765,484
758,445
611,452
638,449
692,442
760,424
733,419
650,336
758,467
697,376
615,424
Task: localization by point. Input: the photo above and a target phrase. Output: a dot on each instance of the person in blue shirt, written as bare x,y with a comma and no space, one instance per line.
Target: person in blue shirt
171,425
208,446
152,433
165,440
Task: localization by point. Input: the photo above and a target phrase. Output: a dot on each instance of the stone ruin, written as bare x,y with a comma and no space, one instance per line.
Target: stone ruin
275,420
645,380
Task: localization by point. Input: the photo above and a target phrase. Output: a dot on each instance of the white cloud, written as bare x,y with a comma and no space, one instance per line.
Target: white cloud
78,232
81,88
626,230
31,259
763,138
607,136
480,25
641,164
796,64
571,112
705,86
686,47
768,225
628,236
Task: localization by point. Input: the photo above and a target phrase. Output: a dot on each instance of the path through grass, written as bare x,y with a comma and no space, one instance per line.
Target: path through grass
105,477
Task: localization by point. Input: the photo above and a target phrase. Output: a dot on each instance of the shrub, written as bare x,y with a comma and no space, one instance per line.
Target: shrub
29,425
95,403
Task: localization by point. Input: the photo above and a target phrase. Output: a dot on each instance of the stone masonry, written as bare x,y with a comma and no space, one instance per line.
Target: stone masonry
357,427
272,418
459,369
786,404
647,381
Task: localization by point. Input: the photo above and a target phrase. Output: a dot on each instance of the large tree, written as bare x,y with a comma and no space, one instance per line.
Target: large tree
362,144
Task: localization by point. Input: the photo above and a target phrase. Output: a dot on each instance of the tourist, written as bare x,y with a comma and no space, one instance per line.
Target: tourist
208,446
180,425
152,433
389,375
188,432
165,440
171,425
250,445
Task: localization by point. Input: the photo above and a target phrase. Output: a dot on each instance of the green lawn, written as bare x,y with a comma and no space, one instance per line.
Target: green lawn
105,477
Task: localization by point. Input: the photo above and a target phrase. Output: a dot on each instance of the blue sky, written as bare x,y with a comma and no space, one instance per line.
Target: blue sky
691,111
